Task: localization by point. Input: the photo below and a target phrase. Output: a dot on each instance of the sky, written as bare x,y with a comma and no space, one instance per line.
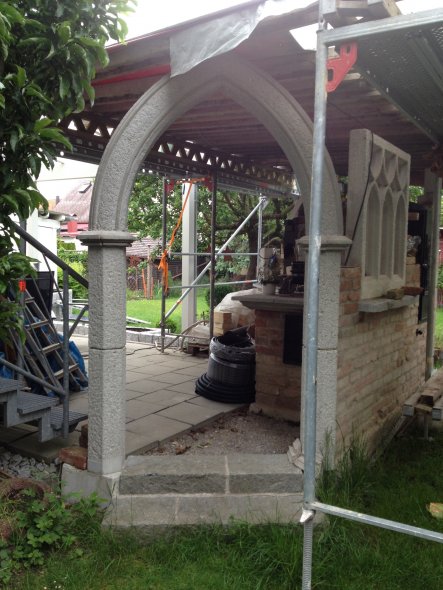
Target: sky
151,15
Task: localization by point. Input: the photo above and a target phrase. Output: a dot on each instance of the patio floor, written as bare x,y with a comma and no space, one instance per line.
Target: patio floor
160,402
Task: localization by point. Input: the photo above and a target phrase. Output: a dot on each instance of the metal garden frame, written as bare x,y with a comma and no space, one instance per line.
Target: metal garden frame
325,39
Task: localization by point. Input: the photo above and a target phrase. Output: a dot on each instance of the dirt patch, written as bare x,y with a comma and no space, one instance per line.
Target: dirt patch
239,432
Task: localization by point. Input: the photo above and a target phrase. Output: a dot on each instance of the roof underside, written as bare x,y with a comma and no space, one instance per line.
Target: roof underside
409,64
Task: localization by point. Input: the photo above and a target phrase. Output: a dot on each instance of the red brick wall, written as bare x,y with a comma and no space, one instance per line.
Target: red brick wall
381,361
277,385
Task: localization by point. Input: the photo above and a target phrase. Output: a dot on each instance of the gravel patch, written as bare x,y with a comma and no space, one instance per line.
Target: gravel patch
239,432
16,465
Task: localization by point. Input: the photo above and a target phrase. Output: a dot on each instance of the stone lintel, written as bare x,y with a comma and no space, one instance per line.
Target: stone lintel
380,304
329,243
108,239
274,303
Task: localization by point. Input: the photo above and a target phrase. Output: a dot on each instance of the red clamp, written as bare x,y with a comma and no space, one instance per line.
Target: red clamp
170,184
339,66
209,184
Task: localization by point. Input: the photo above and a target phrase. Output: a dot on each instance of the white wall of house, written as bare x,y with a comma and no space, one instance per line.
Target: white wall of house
64,177
45,230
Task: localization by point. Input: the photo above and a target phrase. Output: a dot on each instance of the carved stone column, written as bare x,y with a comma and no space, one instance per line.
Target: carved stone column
107,342
332,248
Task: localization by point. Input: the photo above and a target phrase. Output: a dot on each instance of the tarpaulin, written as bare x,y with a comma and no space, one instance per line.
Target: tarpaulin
204,40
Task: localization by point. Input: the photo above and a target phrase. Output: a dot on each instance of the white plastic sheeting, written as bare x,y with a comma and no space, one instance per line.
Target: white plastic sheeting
204,40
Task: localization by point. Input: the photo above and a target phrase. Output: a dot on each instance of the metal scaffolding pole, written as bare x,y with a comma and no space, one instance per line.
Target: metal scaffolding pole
163,306
220,250
213,256
310,393
259,237
433,185
324,39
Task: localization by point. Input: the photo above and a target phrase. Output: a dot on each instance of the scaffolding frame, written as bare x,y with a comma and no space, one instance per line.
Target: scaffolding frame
259,208
325,39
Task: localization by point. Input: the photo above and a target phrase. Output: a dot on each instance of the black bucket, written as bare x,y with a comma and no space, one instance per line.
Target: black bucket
231,369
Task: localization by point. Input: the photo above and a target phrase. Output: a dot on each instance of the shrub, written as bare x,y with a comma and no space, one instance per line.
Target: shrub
78,291
220,292
170,325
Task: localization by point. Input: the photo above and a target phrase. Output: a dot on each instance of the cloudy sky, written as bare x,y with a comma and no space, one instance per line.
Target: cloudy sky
151,16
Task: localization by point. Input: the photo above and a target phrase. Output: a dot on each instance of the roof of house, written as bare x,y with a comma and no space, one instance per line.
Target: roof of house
77,202
143,247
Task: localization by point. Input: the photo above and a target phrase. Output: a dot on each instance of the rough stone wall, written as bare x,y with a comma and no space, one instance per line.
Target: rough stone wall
381,361
278,385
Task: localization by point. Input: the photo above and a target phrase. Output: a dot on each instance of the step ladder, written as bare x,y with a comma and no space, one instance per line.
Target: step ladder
41,355
43,351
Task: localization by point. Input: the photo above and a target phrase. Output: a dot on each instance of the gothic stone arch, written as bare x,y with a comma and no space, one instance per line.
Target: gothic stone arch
138,131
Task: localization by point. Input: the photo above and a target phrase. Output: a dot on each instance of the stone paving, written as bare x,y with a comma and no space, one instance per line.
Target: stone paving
161,402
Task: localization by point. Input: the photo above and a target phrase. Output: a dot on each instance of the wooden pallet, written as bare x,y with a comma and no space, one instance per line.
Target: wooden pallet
428,401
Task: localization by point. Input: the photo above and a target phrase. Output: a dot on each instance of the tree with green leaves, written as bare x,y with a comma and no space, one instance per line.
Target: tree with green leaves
145,216
49,50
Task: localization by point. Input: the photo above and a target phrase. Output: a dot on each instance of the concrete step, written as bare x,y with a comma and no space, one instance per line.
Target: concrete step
210,474
157,513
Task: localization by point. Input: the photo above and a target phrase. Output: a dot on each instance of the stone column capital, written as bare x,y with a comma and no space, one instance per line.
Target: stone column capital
329,243
107,239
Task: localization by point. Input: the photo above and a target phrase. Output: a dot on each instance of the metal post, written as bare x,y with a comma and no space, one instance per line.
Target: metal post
219,251
21,301
65,307
433,186
163,306
259,235
213,256
310,393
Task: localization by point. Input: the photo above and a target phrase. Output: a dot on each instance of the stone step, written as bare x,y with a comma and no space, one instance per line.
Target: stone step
210,474
156,513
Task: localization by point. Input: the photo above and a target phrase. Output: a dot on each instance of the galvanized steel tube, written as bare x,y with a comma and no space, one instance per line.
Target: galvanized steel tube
310,393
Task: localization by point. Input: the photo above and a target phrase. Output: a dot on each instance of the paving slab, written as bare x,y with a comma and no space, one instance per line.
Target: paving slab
79,403
155,427
176,364
138,443
9,435
172,378
165,397
153,369
47,451
138,409
193,371
187,387
132,376
198,400
191,413
145,385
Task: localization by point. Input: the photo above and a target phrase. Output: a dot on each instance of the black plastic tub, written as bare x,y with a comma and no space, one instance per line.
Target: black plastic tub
230,377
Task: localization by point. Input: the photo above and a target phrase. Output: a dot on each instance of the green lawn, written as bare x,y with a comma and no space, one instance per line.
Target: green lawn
149,310
347,556
439,328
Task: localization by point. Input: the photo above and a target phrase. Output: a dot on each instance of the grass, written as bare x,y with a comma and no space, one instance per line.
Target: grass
439,328
149,310
347,556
